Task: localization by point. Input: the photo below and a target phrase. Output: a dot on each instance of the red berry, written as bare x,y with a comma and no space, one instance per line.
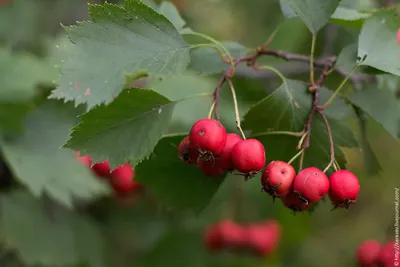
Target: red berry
344,188
277,178
122,179
210,168
293,202
209,137
311,184
85,160
226,234
398,36
102,169
264,238
224,161
213,239
186,152
368,253
386,256
248,156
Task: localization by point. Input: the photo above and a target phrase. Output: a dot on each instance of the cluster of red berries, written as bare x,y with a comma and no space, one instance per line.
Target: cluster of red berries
121,178
261,238
216,152
372,254
310,185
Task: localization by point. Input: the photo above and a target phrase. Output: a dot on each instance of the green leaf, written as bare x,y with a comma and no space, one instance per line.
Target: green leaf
286,10
172,14
347,58
314,13
128,129
38,162
12,115
119,42
349,17
174,183
44,233
378,42
207,61
382,105
287,109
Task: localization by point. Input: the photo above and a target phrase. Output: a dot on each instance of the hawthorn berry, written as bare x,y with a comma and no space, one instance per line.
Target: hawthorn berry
293,202
209,137
398,36
226,234
264,238
210,169
102,169
344,188
85,160
186,152
122,179
368,253
248,157
311,185
386,257
277,178
224,160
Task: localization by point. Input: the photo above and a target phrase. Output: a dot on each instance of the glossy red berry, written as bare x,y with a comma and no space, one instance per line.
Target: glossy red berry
277,178
122,179
186,152
102,169
224,160
209,137
293,202
210,168
368,253
248,157
386,256
264,238
311,184
344,188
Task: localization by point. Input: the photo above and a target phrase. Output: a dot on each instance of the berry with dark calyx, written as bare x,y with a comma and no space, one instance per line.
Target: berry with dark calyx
311,185
85,160
209,137
102,169
210,169
122,179
248,157
277,178
293,202
224,160
368,253
186,152
264,238
344,188
386,256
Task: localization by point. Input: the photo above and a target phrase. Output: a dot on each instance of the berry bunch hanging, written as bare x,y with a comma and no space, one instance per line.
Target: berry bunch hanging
258,238
121,179
371,253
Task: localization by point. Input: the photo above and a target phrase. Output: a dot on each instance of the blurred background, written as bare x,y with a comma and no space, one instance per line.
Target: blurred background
145,234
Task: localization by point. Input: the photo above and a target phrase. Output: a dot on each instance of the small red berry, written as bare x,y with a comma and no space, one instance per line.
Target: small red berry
248,157
213,239
293,202
186,152
311,184
224,160
85,160
122,179
398,36
210,169
209,137
344,188
386,256
277,178
226,234
102,169
264,238
368,253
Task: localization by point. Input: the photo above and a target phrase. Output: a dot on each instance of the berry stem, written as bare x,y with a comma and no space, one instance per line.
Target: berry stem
301,161
336,165
211,110
303,136
331,143
265,67
296,156
270,38
221,55
237,114
297,134
313,42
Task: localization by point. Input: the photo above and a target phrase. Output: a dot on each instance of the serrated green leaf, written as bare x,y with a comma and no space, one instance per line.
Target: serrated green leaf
378,42
207,61
174,183
119,42
172,14
382,105
314,13
287,109
127,129
347,58
349,17
38,162
46,234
